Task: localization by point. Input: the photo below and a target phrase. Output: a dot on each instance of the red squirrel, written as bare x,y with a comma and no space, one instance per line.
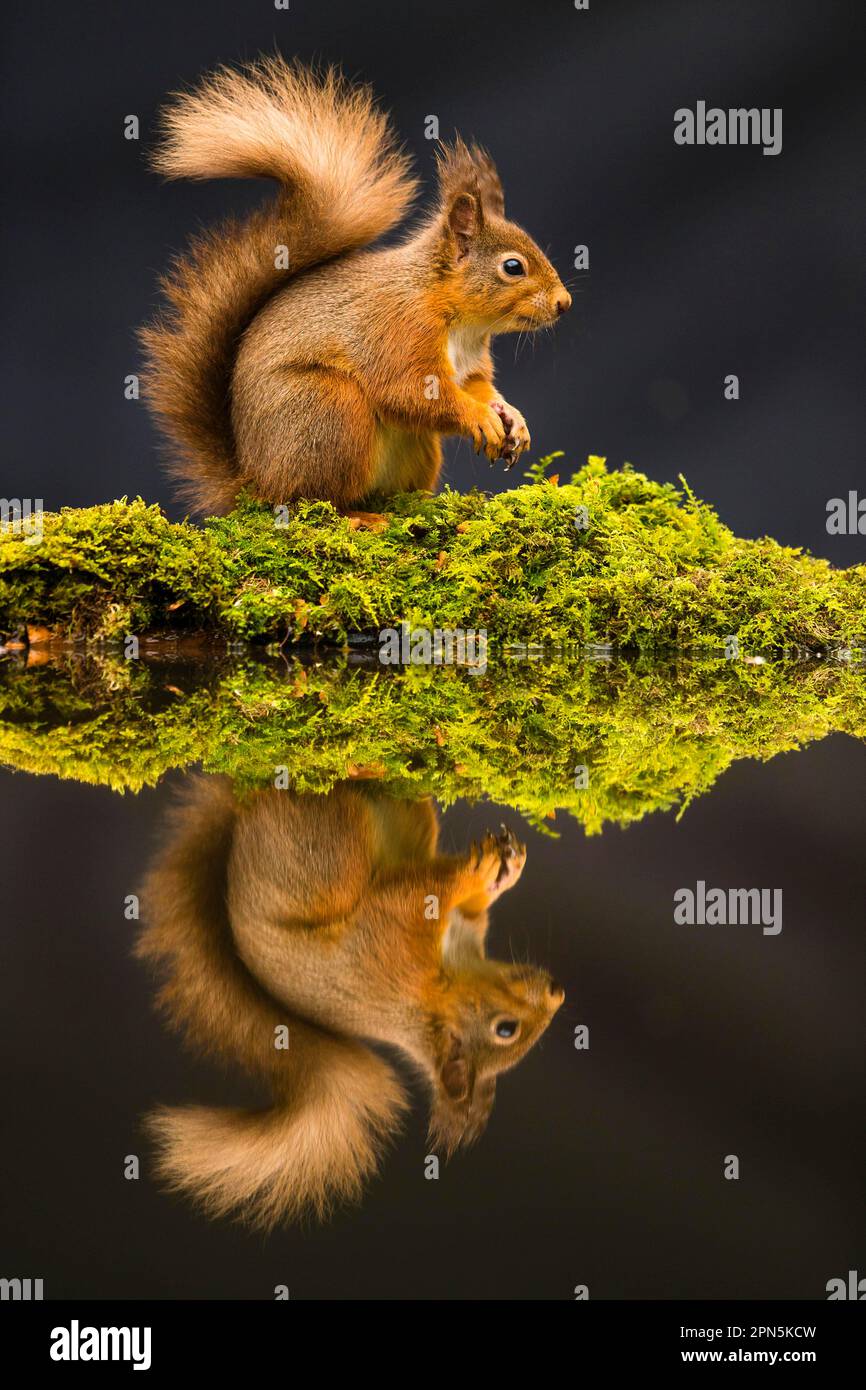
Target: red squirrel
336,922
293,358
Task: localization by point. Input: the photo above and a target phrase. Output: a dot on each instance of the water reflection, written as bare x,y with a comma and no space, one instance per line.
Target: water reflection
297,935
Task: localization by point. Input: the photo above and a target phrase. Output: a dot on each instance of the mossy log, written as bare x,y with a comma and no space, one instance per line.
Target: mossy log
608,558
602,740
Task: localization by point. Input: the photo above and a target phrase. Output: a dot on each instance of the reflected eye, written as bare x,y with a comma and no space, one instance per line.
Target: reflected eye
506,1028
512,266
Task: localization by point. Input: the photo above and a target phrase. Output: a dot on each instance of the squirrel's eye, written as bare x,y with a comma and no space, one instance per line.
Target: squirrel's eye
507,1027
512,266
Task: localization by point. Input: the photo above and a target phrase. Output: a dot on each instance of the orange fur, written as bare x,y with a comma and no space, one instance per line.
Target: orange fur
335,376
311,912
334,1101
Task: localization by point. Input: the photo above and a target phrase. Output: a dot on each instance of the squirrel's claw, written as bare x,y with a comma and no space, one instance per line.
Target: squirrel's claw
509,841
516,440
498,860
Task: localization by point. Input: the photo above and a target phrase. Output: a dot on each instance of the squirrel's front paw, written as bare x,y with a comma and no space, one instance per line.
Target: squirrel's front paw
517,438
488,432
498,861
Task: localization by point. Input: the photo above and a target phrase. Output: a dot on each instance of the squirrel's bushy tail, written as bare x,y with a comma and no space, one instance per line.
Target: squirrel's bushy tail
343,184
297,1157
335,1101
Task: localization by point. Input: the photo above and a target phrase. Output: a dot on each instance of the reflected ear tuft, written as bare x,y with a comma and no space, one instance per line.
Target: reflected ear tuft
457,1121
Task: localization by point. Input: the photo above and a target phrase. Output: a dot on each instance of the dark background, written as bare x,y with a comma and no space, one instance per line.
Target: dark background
703,261
602,1168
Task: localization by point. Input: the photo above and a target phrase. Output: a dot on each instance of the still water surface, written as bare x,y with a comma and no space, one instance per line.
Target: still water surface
592,1133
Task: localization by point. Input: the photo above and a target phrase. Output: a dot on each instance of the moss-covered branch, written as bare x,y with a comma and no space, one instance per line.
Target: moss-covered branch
608,558
651,737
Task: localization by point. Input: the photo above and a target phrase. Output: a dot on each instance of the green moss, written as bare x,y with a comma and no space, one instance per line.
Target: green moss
653,571
654,568
652,736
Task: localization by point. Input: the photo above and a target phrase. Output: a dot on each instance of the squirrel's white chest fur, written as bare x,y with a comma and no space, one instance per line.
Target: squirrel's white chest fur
465,351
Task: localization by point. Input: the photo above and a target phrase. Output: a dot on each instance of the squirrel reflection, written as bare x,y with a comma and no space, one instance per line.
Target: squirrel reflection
335,918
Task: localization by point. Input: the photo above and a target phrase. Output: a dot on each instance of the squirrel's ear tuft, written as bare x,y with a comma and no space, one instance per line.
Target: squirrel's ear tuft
456,170
489,182
465,169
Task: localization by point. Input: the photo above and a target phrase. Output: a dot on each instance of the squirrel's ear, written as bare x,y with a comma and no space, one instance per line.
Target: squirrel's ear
455,1074
464,221
461,1102
460,197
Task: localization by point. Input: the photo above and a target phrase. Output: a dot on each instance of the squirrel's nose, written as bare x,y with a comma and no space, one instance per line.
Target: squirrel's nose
562,302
